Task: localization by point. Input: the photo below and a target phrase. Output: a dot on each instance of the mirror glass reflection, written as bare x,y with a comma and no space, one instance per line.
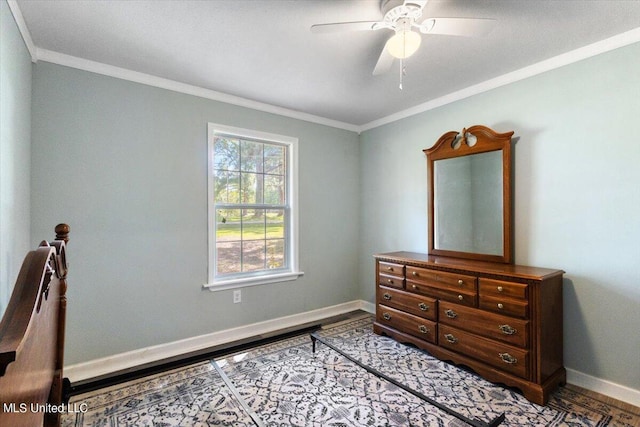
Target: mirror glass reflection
468,203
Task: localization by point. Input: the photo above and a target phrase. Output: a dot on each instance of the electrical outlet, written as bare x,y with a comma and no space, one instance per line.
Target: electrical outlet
237,296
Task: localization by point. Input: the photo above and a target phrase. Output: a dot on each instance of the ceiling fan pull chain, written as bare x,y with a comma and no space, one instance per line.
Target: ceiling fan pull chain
403,71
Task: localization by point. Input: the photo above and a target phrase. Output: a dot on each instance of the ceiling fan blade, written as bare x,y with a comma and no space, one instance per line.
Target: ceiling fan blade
467,27
385,61
344,26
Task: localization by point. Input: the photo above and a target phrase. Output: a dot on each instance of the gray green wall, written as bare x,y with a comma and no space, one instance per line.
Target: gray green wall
126,166
15,149
577,196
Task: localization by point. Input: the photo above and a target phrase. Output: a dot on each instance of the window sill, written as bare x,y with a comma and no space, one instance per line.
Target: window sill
223,285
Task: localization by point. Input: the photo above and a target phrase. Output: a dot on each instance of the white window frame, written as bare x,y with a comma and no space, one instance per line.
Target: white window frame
262,278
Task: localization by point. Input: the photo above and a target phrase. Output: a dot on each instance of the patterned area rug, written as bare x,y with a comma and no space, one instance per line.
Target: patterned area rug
193,396
286,384
578,400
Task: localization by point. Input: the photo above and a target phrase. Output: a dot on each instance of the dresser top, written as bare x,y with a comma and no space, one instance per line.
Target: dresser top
521,271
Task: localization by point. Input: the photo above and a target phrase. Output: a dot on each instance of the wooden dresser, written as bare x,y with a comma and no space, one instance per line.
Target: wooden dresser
504,321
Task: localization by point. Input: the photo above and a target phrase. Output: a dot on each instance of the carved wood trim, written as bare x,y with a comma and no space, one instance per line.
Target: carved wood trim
32,334
486,140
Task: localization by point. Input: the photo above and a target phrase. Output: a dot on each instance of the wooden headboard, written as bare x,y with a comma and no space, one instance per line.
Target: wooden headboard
32,338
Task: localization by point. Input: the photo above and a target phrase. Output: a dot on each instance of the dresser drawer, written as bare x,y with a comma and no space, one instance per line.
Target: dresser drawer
469,298
494,326
391,268
391,281
503,289
407,323
442,280
415,304
508,306
502,356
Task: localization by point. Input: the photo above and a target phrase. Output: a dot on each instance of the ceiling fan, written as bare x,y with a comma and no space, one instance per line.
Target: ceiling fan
405,18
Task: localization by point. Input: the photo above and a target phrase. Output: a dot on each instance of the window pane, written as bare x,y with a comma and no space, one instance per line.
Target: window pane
251,156
228,225
253,224
252,188
274,189
253,255
229,257
275,253
227,187
226,154
274,157
275,223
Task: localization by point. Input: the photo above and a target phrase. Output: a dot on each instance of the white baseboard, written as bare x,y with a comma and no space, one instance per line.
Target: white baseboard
117,362
608,388
367,306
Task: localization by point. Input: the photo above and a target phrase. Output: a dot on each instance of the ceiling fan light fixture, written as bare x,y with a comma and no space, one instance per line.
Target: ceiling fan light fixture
403,44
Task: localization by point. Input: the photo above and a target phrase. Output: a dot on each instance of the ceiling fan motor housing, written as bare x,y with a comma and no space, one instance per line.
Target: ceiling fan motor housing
394,10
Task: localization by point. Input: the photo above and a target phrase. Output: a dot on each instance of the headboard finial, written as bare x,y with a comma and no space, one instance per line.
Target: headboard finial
62,232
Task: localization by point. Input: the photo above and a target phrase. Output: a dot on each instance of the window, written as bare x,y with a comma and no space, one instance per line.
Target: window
252,208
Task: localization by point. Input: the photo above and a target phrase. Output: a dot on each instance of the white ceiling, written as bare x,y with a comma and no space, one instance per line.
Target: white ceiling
263,50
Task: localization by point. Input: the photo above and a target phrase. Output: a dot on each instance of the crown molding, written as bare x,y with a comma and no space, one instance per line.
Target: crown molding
175,86
22,27
606,45
615,42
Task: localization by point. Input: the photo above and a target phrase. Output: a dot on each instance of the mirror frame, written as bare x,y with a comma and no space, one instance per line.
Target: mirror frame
486,140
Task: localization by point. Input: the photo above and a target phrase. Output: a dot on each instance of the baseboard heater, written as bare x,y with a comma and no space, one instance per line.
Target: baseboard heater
476,423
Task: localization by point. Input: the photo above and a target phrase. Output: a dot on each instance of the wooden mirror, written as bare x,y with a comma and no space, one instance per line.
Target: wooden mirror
469,185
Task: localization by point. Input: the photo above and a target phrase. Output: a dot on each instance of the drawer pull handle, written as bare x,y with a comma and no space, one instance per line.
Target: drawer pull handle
500,289
386,316
460,297
390,281
422,306
460,282
507,330
500,305
451,314
415,273
414,287
423,329
507,358
386,296
451,338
